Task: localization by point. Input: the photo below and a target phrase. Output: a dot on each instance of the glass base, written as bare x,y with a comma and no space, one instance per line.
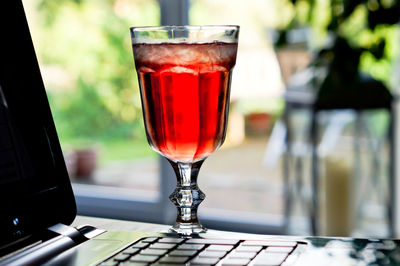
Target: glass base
186,229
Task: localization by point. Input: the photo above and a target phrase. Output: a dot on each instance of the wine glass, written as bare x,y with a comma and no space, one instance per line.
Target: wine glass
184,75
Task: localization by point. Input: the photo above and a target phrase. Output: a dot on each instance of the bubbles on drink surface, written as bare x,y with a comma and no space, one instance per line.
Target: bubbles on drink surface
160,55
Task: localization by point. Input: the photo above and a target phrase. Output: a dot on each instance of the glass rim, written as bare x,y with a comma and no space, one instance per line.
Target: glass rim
189,27
178,34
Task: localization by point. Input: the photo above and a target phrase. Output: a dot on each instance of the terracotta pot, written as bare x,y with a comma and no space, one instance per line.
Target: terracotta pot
86,162
257,124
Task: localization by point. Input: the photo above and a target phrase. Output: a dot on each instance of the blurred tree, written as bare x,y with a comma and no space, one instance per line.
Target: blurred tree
87,42
370,28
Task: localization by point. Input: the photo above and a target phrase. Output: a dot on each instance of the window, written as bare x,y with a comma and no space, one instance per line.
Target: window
86,61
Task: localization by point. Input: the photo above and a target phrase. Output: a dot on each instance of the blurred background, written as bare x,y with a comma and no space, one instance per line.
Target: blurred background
310,147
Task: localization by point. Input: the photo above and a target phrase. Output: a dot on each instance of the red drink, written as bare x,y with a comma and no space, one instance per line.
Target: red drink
185,96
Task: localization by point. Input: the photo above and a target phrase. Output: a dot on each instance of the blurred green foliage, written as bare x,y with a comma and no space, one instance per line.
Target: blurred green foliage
86,59
370,28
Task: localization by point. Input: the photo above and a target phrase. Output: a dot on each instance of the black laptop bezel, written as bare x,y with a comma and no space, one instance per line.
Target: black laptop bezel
25,108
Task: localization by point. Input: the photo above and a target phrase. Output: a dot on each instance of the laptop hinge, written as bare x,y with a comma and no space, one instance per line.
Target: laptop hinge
79,234
67,237
68,231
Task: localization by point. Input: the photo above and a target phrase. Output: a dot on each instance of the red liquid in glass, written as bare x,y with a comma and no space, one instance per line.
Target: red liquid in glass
185,96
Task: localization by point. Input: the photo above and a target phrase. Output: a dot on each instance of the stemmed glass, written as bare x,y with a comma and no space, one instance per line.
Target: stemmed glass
184,75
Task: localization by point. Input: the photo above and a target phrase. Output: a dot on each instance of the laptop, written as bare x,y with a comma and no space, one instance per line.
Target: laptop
38,205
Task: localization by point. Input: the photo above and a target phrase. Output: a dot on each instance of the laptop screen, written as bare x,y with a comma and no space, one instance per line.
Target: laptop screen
35,191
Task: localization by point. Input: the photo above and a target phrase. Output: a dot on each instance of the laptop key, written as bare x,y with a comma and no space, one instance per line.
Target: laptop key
242,255
143,258
212,241
171,240
204,261
140,245
220,247
279,249
154,252
131,250
173,260
122,257
248,248
149,240
191,247
212,254
235,261
275,243
162,245
182,253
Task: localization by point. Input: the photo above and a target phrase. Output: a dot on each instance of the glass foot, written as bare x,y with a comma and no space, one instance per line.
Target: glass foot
187,229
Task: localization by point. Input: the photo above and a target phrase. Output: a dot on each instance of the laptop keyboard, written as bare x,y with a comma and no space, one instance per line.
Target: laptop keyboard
200,251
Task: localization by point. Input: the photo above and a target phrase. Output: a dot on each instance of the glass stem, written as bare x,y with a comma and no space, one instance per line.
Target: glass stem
187,196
